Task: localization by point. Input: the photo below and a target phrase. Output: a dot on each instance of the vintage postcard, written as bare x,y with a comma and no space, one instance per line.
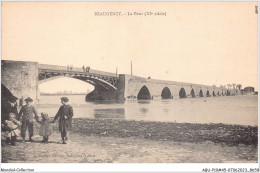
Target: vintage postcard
129,82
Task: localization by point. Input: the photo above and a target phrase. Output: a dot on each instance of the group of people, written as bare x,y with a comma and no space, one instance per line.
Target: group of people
15,124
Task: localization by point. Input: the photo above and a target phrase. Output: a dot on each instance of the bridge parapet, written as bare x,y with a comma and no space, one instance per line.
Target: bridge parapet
74,70
134,85
93,77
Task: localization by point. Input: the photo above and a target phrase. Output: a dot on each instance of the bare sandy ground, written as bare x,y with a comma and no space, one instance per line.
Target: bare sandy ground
92,149
123,141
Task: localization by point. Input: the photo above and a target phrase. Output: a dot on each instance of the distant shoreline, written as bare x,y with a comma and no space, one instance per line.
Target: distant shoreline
61,94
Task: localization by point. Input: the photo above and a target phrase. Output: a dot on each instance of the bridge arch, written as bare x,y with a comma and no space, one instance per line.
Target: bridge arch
213,93
192,93
144,93
201,93
182,93
6,94
101,90
208,94
95,81
50,79
65,84
166,93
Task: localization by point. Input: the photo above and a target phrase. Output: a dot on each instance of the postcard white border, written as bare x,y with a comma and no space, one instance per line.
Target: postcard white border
133,167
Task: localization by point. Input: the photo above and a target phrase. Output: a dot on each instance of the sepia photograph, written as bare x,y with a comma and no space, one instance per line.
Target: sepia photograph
129,82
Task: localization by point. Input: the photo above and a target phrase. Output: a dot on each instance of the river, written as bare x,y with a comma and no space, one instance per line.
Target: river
240,109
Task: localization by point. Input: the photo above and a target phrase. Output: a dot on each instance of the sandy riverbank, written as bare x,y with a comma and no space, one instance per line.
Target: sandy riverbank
168,131
106,141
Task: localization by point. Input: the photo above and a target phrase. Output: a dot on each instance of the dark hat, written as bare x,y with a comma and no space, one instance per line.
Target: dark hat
28,99
45,115
13,99
64,99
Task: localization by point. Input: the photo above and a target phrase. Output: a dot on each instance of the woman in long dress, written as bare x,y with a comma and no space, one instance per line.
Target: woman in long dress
65,114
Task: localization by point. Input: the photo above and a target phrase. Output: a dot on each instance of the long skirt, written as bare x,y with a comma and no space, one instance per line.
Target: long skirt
45,129
65,125
12,133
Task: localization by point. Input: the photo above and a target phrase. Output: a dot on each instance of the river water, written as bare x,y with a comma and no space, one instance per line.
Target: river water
240,109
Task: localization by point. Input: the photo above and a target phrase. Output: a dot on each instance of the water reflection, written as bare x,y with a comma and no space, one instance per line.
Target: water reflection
144,111
144,101
110,113
229,110
166,110
107,102
164,101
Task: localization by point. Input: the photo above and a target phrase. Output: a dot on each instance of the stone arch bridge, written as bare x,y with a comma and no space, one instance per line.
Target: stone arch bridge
144,88
22,79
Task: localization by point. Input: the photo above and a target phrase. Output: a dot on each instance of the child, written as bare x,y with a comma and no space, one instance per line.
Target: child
26,115
45,128
12,130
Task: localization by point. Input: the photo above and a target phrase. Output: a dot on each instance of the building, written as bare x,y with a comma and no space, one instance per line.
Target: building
247,90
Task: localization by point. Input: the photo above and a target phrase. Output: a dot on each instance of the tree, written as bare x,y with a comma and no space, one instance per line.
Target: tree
229,85
234,85
239,86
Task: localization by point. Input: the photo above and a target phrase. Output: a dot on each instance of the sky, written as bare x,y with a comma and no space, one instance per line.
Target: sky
198,42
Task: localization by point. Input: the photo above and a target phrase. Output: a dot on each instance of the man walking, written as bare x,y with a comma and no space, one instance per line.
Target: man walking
26,115
65,115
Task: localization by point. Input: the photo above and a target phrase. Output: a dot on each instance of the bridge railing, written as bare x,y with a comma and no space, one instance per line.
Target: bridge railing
74,69
52,67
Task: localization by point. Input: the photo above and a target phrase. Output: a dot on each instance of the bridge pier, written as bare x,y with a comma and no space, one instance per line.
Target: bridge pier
20,78
101,93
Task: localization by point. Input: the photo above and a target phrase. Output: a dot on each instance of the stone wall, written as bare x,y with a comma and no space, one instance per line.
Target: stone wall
133,85
21,78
